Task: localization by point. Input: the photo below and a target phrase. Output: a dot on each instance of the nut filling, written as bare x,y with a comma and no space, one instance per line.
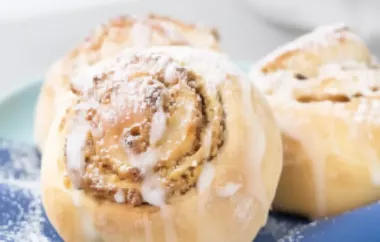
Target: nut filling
146,115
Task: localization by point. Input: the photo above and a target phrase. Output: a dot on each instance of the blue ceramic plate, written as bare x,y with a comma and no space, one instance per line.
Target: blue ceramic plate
17,112
22,217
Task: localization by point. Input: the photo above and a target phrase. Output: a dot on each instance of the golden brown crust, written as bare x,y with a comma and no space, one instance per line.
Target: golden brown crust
249,161
106,41
326,107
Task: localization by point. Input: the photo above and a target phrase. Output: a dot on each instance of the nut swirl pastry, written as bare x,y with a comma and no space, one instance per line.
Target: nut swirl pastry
164,144
324,91
106,41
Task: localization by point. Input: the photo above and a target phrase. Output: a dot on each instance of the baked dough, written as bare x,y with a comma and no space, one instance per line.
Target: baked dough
106,41
324,91
165,144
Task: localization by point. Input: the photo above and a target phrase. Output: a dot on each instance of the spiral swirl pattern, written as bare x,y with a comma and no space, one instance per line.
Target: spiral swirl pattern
145,116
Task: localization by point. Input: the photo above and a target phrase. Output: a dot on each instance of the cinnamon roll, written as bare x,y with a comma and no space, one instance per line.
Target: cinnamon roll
164,144
324,91
106,41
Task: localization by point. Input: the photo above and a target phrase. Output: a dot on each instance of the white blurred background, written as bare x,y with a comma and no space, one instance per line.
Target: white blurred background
34,33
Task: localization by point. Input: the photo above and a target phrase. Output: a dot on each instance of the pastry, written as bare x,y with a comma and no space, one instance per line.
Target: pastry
164,144
106,41
324,92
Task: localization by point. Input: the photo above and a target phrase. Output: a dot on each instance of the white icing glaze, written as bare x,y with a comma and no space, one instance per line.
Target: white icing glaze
318,148
77,197
86,221
153,191
145,161
75,144
229,189
215,68
206,177
204,182
347,78
257,138
316,151
168,223
88,226
147,229
170,73
158,126
119,196
210,66
257,155
207,142
98,131
373,164
371,156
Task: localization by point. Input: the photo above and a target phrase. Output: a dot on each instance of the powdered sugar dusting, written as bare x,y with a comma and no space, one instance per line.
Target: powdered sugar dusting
353,80
319,38
296,234
82,81
28,224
